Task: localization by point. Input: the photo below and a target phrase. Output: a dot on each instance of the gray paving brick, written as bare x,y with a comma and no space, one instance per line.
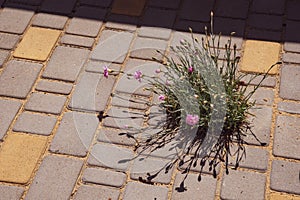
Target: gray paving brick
197,11
261,125
55,6
95,193
77,41
113,136
49,20
113,46
270,81
264,21
146,48
243,185
286,139
291,57
14,20
57,175
92,92
171,4
290,85
11,192
194,188
122,22
97,67
104,177
87,21
260,34
116,157
206,168
232,8
8,41
103,3
18,78
35,123
236,25
47,103
128,101
292,10
54,87
9,109
135,190
268,6
66,63
75,134
290,107
291,47
285,176
3,57
262,96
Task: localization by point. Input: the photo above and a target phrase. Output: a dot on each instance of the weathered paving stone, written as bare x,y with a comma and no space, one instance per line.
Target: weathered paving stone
65,63
14,20
35,123
264,21
194,188
110,156
103,3
171,4
122,22
75,134
129,101
113,46
286,139
285,176
18,78
95,193
37,44
143,165
242,185
8,41
87,21
292,10
9,109
3,57
55,6
134,190
92,92
196,11
57,175
128,7
289,107
268,6
282,196
291,57
97,67
232,9
236,25
270,81
113,136
11,192
290,85
77,41
19,156
54,87
292,47
47,103
104,177
262,96
49,20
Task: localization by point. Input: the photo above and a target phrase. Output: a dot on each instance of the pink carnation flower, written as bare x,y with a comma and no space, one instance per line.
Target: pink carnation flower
192,119
157,71
190,69
161,97
138,75
105,72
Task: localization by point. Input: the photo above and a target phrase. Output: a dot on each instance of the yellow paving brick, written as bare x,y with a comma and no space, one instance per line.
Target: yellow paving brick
279,196
128,7
259,56
19,155
37,43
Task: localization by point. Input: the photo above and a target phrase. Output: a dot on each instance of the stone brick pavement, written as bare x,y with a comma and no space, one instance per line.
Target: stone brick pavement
54,141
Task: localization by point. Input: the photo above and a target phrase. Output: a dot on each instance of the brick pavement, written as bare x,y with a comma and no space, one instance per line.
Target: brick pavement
54,143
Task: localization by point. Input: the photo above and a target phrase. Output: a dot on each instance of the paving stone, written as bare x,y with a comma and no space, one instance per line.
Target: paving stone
194,188
292,47
198,11
21,74
115,157
184,25
97,67
37,44
290,107
1,2
268,6
35,123
87,21
75,134
290,85
95,193
236,25
55,6
113,46
170,4
146,48
291,57
3,57
242,185
57,175
134,190
122,22
281,196
9,109
128,7
49,20
92,92
259,34
113,136
232,9
104,177
292,10
19,155
260,124
259,56
262,96
285,176
11,192
286,139
47,103
29,2
103,3
292,31
54,87
129,101
14,20
77,41
8,41
264,21
65,63
15,5
270,81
